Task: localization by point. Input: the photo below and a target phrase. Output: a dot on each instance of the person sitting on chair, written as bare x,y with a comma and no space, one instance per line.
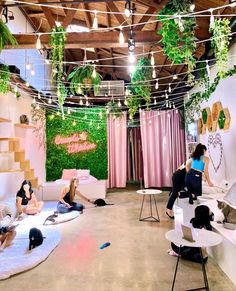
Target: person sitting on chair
26,201
66,202
7,233
178,184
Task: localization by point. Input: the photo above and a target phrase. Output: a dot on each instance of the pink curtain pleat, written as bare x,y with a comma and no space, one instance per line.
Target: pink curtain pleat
163,146
117,151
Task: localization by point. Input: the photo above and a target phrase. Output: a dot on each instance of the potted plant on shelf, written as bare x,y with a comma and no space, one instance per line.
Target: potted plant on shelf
6,36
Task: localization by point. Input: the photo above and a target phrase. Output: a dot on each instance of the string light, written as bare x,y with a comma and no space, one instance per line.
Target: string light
95,20
87,103
166,95
208,68
58,113
175,77
28,66
154,73
32,72
37,106
121,36
192,7
211,19
107,111
176,111
39,96
94,73
49,100
127,8
74,123
16,89
58,93
155,101
158,112
38,42
81,102
47,61
169,89
157,85
126,91
131,69
152,59
131,57
126,102
27,83
68,111
119,103
51,116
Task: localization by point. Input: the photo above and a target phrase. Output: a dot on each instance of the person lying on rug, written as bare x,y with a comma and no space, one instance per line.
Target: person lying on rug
7,231
202,219
26,201
66,202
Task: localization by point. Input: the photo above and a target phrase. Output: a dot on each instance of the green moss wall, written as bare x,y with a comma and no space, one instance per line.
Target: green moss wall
57,157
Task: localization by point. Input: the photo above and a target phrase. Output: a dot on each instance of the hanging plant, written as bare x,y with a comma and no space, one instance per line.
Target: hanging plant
114,109
62,94
82,80
194,104
140,89
204,78
4,79
204,116
178,37
221,119
6,36
220,42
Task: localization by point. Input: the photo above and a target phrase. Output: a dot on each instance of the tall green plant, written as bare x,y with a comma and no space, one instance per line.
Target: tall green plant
4,79
178,38
81,80
6,36
140,89
220,42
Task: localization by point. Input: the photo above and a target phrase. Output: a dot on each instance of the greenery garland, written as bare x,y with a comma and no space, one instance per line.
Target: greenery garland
81,80
114,109
140,86
194,104
220,42
4,79
178,38
6,36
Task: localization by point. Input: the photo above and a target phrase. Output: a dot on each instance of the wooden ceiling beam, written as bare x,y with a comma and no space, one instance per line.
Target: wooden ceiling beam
153,3
48,14
69,16
145,18
120,18
89,39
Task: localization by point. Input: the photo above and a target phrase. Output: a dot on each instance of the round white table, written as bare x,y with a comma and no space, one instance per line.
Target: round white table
202,238
151,193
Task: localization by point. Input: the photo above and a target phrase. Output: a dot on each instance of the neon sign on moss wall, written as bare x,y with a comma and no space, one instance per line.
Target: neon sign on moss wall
75,143
79,146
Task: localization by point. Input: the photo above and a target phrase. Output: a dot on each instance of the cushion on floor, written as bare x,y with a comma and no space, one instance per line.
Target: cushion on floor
17,258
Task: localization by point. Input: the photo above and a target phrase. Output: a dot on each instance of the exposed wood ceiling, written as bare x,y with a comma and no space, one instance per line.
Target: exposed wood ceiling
106,44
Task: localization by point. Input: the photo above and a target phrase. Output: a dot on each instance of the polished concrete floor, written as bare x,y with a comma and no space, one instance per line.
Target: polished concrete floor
137,258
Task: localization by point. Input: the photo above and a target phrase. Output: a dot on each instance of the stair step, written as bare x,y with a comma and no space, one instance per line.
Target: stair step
20,156
14,145
25,165
2,119
34,182
11,171
29,174
8,138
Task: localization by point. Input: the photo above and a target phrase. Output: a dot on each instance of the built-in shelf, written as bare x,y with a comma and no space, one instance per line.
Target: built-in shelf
25,125
11,171
5,152
8,138
2,119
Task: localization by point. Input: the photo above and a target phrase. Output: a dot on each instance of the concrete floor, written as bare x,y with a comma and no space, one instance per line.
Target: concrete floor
137,258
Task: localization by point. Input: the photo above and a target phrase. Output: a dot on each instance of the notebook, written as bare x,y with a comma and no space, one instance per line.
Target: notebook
187,233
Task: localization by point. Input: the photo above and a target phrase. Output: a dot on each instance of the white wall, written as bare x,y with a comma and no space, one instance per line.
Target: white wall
225,93
12,109
18,57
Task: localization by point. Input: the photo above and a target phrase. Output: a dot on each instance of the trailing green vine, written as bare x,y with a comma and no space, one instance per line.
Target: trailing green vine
113,109
6,36
140,89
220,42
204,116
194,104
178,37
4,79
82,80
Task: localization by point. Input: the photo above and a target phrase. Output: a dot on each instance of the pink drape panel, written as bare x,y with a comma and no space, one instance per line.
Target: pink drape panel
163,146
134,158
117,151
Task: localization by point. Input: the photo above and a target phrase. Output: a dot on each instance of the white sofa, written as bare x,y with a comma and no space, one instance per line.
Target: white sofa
89,186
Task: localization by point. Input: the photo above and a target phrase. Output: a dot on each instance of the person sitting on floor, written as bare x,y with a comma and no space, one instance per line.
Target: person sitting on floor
178,184
66,202
26,201
7,233
202,219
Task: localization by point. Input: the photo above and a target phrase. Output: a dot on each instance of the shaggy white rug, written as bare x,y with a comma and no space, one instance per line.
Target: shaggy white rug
17,258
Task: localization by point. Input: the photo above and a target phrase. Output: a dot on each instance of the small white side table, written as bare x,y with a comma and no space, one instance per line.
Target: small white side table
203,238
151,193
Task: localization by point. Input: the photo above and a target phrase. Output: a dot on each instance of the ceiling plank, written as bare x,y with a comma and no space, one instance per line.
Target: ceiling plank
2,6
48,14
145,18
69,16
89,39
153,3
120,18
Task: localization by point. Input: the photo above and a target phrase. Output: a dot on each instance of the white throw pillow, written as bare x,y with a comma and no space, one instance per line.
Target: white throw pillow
83,174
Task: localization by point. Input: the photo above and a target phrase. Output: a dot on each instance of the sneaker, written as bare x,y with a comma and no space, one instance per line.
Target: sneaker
172,253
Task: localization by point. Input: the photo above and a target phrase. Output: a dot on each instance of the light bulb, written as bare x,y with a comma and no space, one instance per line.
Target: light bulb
74,123
131,69
38,43
154,73
192,7
126,102
169,89
121,36
107,111
68,111
79,89
126,91
50,100
166,95
39,96
131,57
127,12
16,89
95,20
47,61
155,101
81,102
28,66
94,73
157,85
87,103
176,111
152,60
158,112
32,72
27,84
119,103
211,19
175,77
208,69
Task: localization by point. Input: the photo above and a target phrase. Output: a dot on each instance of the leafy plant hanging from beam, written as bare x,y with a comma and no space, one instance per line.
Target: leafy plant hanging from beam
114,109
140,89
82,80
6,36
4,79
220,42
178,38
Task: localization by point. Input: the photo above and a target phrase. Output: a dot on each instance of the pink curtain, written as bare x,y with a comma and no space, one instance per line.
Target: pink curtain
163,146
117,151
